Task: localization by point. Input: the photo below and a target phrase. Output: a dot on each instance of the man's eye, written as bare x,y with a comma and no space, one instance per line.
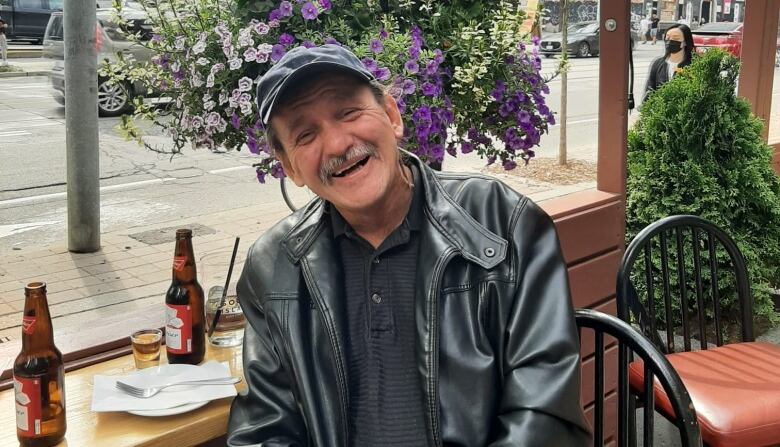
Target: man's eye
348,112
303,137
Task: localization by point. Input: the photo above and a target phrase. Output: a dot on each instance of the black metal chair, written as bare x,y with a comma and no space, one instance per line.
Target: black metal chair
656,367
677,303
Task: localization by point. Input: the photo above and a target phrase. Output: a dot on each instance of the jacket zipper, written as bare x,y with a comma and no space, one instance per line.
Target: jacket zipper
336,352
433,359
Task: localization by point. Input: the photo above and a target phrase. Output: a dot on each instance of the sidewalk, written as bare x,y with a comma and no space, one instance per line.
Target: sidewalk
132,271
28,67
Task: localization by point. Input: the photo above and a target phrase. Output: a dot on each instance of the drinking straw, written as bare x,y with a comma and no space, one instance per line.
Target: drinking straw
225,290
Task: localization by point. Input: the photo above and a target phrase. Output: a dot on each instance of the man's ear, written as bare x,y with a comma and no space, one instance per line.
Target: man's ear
391,108
289,171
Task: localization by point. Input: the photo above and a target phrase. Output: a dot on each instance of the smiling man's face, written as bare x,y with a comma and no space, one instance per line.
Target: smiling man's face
340,142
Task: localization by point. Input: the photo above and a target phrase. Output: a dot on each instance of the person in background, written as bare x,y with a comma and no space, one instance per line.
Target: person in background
679,50
403,307
684,21
3,43
654,27
644,29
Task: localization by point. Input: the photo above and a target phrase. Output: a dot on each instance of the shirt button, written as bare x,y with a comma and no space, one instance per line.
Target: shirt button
376,298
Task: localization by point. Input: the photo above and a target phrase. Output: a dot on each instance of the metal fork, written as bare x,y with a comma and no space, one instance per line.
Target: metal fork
151,391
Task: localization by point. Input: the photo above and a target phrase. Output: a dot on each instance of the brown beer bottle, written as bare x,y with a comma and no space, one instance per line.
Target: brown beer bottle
39,375
185,318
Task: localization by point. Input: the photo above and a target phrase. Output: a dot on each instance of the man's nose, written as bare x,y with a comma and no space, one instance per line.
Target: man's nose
336,140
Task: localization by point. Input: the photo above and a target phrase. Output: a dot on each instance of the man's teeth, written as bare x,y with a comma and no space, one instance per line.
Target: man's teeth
343,171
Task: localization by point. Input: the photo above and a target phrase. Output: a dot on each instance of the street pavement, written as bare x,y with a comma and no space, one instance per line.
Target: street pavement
145,193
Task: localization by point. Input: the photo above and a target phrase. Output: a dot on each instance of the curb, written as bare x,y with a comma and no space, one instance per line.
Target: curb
21,74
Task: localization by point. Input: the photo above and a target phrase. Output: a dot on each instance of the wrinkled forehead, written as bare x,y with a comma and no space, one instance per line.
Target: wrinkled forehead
317,87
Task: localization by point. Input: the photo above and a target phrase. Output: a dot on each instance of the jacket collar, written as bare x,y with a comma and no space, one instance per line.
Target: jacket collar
471,239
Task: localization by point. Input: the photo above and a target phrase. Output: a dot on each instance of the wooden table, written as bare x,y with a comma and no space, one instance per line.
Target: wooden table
120,429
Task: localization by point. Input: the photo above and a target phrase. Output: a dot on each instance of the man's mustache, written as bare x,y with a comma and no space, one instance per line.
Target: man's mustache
335,164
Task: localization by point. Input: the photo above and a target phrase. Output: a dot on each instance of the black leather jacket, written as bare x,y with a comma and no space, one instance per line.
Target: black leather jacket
497,345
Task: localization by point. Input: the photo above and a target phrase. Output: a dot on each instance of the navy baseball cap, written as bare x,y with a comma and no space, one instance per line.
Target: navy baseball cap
298,62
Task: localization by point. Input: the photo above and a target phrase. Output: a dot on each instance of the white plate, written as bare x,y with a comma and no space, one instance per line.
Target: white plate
169,411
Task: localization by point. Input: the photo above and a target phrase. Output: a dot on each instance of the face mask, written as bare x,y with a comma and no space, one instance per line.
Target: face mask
673,46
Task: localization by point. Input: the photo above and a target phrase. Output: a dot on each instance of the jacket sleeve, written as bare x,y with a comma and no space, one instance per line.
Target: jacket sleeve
541,396
265,414
652,80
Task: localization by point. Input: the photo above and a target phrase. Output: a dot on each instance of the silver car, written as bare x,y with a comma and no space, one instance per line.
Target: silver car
113,99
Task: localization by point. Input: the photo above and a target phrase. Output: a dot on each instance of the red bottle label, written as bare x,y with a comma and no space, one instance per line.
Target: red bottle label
178,329
28,325
178,262
28,405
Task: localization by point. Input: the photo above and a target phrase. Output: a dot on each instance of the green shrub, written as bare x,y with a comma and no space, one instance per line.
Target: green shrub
697,149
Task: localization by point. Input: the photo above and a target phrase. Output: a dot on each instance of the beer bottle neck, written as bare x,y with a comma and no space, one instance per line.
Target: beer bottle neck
184,261
36,322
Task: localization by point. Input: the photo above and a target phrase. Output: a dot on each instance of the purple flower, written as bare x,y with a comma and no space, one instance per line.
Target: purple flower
251,142
260,175
156,38
429,89
411,67
451,150
401,105
509,165
324,4
286,9
422,114
277,52
437,152
274,15
523,117
438,57
375,46
286,39
383,34
382,74
465,147
551,119
307,44
332,41
498,92
370,64
414,52
431,68
309,11
234,121
408,87
277,171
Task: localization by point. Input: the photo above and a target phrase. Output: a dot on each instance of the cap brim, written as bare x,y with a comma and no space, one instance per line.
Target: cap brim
304,70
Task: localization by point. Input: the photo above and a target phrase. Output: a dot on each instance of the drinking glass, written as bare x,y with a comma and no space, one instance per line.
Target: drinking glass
146,347
212,269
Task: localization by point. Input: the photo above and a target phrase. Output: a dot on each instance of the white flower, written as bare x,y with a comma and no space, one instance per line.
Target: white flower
212,119
217,68
210,80
233,103
245,98
245,84
175,67
179,43
264,48
228,50
245,38
234,63
250,55
223,98
202,61
197,122
222,30
246,109
199,47
261,58
208,105
261,28
196,80
222,125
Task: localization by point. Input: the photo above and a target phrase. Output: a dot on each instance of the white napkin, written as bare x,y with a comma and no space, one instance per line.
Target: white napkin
106,397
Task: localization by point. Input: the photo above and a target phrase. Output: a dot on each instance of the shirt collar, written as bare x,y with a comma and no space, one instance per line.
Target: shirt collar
414,217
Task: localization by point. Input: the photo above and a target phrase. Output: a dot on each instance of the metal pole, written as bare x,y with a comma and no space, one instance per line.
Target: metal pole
81,126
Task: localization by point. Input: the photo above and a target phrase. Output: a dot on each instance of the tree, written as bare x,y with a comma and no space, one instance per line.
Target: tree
697,149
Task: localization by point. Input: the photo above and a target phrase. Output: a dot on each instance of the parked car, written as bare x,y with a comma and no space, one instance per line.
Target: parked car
583,41
27,19
113,99
723,35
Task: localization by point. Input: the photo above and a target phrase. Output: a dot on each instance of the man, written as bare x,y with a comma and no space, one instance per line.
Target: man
654,28
644,29
3,43
404,307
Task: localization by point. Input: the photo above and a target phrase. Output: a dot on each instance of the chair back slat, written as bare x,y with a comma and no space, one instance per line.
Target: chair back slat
598,432
649,405
650,288
657,369
715,292
699,290
683,289
667,291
